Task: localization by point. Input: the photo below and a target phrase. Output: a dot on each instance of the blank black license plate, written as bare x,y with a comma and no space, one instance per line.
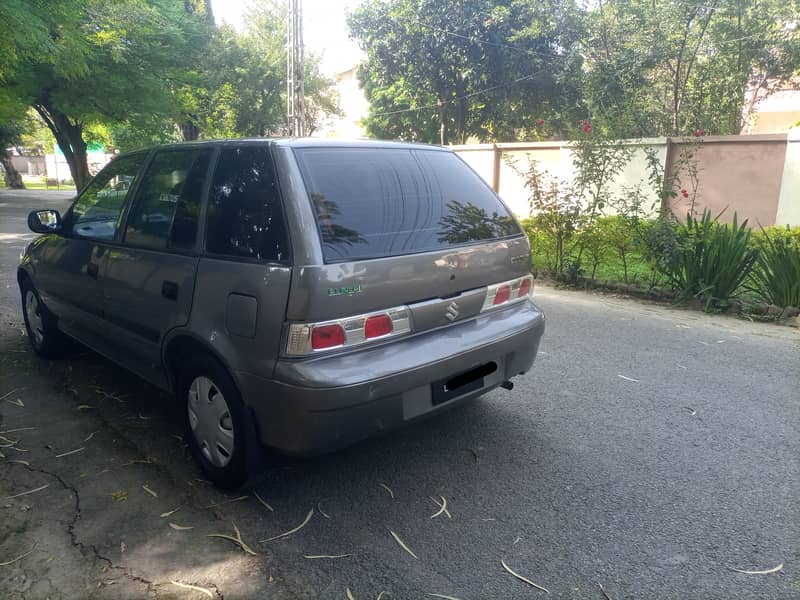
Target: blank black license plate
452,387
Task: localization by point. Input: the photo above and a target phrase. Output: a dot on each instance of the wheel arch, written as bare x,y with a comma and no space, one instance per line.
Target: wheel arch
182,344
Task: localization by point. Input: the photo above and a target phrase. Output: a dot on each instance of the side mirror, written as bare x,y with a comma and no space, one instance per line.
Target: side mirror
44,221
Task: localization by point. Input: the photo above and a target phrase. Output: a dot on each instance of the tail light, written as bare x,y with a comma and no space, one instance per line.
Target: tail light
508,292
327,336
309,338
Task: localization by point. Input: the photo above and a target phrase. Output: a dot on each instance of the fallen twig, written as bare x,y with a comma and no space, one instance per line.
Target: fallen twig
402,544
605,593
18,402
349,594
388,489
170,512
38,489
692,411
316,556
291,531
322,512
90,436
177,527
442,507
445,596
524,579
149,491
196,588
628,378
19,558
767,572
236,540
63,454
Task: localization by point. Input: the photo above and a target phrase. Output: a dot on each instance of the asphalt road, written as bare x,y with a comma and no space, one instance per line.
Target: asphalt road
650,450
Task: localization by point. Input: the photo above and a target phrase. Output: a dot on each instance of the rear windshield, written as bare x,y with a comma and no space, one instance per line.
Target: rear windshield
376,202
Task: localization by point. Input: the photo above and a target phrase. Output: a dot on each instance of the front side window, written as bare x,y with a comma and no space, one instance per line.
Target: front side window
168,200
96,212
245,218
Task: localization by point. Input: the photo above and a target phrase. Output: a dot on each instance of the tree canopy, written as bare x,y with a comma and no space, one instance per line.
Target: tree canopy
446,70
138,72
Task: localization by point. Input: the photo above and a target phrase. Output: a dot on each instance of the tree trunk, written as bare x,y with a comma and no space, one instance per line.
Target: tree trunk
442,122
189,131
69,136
13,178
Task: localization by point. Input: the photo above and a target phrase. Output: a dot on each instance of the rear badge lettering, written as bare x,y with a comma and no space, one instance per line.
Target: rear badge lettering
344,291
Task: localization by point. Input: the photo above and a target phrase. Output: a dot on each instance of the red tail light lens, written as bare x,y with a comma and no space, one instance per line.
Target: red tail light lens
327,336
377,326
502,295
524,288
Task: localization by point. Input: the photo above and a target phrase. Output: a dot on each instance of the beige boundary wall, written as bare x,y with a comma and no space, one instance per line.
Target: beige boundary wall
756,176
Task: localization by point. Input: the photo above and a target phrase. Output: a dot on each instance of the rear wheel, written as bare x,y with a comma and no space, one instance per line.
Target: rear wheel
40,325
214,421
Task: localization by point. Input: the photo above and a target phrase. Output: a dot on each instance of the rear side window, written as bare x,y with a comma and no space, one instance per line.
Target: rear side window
376,202
96,212
245,219
167,203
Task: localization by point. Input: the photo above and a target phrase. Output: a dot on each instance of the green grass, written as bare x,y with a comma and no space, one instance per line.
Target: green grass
37,185
611,269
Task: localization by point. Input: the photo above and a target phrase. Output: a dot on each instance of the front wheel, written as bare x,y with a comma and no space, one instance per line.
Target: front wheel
214,421
40,325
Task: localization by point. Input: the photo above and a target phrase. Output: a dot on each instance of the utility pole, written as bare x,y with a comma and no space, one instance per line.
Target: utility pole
294,70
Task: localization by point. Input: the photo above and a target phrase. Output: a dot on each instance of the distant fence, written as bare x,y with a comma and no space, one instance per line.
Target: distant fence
756,176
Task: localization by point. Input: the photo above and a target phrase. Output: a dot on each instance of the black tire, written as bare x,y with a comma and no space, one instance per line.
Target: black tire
206,449
41,326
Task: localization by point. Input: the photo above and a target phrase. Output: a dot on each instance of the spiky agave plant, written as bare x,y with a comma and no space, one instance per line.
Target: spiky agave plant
776,277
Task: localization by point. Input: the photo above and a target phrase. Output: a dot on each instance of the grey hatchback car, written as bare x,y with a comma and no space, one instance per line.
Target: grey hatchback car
298,295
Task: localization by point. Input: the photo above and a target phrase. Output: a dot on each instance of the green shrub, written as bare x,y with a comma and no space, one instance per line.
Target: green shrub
776,277
704,258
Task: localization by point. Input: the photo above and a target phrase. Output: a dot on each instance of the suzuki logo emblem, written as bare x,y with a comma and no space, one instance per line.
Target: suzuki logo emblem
452,311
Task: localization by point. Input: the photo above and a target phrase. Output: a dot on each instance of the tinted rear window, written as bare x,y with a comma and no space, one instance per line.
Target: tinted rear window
375,202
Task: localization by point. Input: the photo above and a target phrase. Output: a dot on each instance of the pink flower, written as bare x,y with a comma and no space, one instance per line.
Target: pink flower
587,127
699,132
539,122
685,193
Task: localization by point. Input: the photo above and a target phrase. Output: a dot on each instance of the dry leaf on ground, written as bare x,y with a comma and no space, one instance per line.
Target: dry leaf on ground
291,531
263,502
766,572
38,489
442,508
402,544
236,540
524,579
17,559
63,454
196,588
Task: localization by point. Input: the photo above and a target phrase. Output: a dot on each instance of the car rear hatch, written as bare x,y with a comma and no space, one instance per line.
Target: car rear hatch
406,228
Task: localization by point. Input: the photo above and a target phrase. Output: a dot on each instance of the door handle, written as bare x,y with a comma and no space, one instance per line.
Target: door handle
169,289
92,270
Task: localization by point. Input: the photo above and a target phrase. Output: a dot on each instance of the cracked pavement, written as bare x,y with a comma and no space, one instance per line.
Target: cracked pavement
650,450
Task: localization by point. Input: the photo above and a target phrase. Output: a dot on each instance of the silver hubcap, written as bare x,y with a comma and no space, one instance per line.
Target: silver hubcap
34,317
210,420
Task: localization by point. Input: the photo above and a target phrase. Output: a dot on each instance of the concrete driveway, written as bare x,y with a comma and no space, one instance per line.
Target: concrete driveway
651,451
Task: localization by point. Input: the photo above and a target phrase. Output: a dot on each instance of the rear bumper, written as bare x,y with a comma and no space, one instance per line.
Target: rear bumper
322,404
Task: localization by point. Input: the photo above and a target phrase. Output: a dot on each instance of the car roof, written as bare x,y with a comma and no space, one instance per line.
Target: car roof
298,143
